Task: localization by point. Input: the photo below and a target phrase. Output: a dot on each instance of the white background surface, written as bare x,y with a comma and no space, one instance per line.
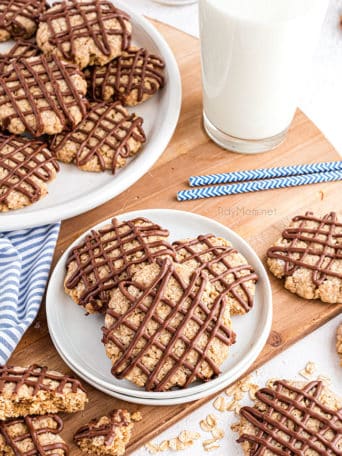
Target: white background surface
322,101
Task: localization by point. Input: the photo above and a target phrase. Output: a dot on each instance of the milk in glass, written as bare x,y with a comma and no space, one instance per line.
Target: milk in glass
254,57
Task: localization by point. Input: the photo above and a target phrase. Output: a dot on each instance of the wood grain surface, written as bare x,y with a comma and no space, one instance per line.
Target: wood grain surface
258,217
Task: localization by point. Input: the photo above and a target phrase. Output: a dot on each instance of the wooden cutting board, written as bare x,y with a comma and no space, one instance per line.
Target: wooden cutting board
258,217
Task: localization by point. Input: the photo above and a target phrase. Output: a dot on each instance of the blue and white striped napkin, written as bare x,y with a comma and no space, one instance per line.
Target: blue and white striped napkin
25,260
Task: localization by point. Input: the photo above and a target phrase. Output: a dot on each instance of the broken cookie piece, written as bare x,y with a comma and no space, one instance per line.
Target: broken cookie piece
33,436
35,390
106,436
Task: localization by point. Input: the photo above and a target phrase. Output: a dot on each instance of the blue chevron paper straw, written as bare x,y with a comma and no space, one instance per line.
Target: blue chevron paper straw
264,173
257,186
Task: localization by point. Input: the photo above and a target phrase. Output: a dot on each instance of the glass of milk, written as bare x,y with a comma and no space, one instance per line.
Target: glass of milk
254,57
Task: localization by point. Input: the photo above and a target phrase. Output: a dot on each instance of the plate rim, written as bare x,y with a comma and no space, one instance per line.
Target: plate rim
239,368
15,220
148,401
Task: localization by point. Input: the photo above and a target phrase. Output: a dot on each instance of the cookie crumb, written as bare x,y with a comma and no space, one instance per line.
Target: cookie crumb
136,416
310,367
184,440
164,445
308,370
210,445
220,404
217,433
152,448
188,436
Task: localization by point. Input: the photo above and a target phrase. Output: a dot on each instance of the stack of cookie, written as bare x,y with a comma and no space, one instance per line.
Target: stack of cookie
30,398
66,85
167,306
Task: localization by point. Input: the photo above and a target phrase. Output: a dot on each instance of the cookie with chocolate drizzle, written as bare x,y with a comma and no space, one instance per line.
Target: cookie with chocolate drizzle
107,435
19,18
309,257
36,390
167,327
228,271
21,48
110,254
86,32
104,140
292,418
41,95
131,78
26,167
33,436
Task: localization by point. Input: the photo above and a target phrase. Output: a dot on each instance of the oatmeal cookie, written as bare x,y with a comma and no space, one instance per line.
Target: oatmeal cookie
86,32
21,48
167,327
292,418
42,95
131,78
35,390
105,139
26,167
111,254
309,257
106,436
227,269
33,436
19,18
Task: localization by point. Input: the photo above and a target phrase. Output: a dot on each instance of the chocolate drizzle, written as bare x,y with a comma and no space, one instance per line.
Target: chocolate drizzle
135,70
24,161
285,427
207,320
232,280
35,435
46,85
93,16
34,376
21,48
108,250
323,241
117,418
106,129
12,10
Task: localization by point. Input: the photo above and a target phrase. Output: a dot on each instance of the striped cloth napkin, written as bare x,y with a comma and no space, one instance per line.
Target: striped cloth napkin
25,260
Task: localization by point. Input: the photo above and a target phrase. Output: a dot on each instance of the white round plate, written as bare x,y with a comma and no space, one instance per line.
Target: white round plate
74,191
77,337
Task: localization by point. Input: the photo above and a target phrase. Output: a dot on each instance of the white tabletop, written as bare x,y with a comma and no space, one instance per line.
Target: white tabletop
318,347
321,100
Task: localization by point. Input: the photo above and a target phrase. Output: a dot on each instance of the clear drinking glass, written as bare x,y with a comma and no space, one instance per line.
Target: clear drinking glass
254,56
